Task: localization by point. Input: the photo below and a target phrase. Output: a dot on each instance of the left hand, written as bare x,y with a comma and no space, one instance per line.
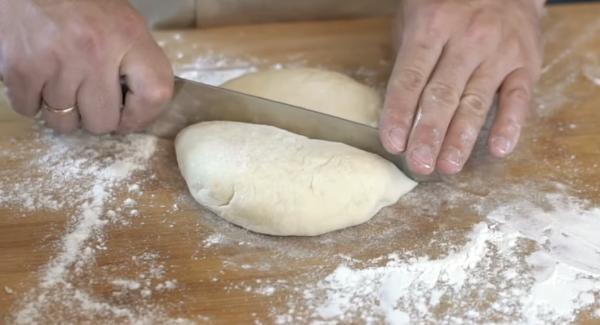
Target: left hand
454,56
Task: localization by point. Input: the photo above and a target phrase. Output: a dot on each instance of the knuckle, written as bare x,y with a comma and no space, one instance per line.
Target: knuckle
442,93
411,79
428,37
424,43
519,94
483,29
157,93
23,110
87,39
475,105
482,36
17,70
396,115
512,48
23,105
398,122
434,15
133,24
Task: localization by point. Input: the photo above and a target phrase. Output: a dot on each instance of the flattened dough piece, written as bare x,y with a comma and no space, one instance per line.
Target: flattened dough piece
321,90
271,181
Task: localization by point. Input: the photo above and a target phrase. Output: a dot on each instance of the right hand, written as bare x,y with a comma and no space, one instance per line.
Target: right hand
73,53
454,56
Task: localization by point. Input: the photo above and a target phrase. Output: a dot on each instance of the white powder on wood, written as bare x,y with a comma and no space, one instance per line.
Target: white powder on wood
79,173
523,264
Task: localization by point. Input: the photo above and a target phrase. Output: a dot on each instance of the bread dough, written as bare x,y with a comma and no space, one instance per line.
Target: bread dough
275,182
325,91
271,181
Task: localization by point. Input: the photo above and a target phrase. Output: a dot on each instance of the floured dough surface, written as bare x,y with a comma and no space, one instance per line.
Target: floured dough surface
324,91
271,181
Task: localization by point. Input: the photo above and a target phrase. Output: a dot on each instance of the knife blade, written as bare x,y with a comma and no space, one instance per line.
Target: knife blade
195,102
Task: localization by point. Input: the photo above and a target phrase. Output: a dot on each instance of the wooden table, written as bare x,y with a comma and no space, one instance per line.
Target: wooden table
201,269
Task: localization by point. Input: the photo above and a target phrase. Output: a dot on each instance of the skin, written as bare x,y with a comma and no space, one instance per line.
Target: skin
454,56
74,53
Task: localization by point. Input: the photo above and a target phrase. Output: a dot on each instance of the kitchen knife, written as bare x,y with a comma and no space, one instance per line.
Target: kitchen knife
194,102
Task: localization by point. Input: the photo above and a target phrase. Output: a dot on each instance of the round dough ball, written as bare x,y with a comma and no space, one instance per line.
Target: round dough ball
271,181
324,91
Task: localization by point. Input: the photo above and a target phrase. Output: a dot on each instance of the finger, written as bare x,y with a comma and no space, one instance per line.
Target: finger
438,104
513,109
99,101
414,63
470,117
60,92
150,82
24,93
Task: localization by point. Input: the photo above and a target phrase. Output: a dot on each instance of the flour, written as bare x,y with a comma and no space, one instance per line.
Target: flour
592,73
126,284
79,173
525,259
523,263
572,63
213,68
213,239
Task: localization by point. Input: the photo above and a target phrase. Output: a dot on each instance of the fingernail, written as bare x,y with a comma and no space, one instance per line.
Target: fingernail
423,156
503,145
397,138
454,157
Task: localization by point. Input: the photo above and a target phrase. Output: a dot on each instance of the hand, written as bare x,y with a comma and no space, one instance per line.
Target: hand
73,53
454,56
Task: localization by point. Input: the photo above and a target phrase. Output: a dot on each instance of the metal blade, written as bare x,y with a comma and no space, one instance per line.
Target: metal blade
195,102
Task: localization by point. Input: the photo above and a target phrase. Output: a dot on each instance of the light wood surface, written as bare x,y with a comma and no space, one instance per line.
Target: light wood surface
209,278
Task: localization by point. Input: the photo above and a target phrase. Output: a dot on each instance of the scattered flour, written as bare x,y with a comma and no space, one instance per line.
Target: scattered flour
523,264
266,291
213,239
214,69
126,284
78,173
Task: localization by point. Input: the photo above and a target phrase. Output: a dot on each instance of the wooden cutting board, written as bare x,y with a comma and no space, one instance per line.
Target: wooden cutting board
171,261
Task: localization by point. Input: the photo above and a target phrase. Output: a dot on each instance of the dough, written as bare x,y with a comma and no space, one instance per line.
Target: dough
325,91
271,181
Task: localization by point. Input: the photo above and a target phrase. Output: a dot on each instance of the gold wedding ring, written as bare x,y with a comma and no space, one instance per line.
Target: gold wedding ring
60,111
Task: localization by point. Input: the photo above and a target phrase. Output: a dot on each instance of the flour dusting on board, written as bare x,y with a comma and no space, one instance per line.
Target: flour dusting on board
82,174
525,255
524,263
